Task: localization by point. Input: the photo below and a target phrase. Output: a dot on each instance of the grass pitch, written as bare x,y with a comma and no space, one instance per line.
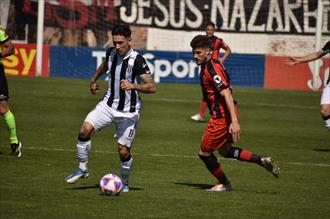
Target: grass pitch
167,180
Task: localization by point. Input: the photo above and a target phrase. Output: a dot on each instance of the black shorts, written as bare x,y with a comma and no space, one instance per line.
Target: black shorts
4,94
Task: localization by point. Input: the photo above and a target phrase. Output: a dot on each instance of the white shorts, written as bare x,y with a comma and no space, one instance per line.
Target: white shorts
125,122
325,99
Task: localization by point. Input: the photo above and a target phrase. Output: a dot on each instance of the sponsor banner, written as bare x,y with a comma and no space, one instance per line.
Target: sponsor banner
81,62
244,16
23,62
174,67
177,67
279,75
74,62
246,70
253,16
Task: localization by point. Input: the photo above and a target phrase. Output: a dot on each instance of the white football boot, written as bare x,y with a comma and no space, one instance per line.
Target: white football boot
220,188
268,164
196,118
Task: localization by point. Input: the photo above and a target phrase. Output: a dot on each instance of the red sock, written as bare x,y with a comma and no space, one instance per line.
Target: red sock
245,155
202,108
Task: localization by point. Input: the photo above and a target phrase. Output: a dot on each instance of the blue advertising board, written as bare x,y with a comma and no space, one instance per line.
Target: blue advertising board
173,67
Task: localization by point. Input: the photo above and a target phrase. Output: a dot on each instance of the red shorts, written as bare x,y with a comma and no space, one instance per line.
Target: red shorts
216,134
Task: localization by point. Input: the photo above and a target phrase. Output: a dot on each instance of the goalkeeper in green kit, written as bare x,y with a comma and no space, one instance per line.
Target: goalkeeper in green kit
7,49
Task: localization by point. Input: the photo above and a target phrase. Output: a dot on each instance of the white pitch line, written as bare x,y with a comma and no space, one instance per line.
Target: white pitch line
169,156
240,103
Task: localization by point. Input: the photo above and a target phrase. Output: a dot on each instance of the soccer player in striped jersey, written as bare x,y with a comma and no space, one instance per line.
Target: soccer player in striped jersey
120,105
216,44
5,112
325,99
223,128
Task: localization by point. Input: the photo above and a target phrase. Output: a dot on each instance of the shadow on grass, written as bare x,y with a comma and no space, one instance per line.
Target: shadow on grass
96,186
197,122
322,149
254,191
195,185
207,186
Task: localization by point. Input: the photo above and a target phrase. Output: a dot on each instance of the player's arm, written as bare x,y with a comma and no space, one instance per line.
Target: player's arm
310,57
234,127
142,70
102,69
226,54
9,48
148,85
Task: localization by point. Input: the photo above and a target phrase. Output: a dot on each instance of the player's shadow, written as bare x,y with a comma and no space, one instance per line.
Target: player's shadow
195,185
96,186
208,186
135,189
202,121
322,149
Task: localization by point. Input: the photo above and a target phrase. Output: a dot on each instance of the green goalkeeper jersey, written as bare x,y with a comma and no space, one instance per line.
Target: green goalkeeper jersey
3,38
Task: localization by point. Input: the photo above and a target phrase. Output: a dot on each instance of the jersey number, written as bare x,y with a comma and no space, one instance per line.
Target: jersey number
131,133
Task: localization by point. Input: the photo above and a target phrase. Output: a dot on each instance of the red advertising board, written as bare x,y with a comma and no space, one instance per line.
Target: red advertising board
23,62
279,75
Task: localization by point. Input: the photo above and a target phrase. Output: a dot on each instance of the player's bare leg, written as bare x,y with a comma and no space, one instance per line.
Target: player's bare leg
230,151
199,116
83,147
126,161
212,164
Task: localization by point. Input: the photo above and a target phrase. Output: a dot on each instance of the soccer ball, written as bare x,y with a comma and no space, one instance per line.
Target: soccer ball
110,184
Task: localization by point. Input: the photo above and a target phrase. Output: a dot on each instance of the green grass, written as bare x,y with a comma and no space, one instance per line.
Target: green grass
167,179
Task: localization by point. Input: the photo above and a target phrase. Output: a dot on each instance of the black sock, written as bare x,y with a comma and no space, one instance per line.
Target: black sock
326,117
83,139
126,159
212,164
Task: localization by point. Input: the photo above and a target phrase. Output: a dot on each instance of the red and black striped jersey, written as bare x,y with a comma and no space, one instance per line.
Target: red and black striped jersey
217,44
213,79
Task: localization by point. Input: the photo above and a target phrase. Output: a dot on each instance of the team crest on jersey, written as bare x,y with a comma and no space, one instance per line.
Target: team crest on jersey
129,69
218,80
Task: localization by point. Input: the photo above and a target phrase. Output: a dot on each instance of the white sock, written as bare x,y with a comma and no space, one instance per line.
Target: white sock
83,165
83,148
327,123
125,168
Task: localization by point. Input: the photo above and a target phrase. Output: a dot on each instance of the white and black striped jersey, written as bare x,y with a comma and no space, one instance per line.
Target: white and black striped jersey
130,67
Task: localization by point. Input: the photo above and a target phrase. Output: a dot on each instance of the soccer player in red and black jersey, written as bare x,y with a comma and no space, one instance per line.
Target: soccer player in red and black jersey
216,44
223,128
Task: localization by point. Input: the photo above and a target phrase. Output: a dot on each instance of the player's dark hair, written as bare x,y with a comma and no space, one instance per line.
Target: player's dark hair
121,30
210,23
200,41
